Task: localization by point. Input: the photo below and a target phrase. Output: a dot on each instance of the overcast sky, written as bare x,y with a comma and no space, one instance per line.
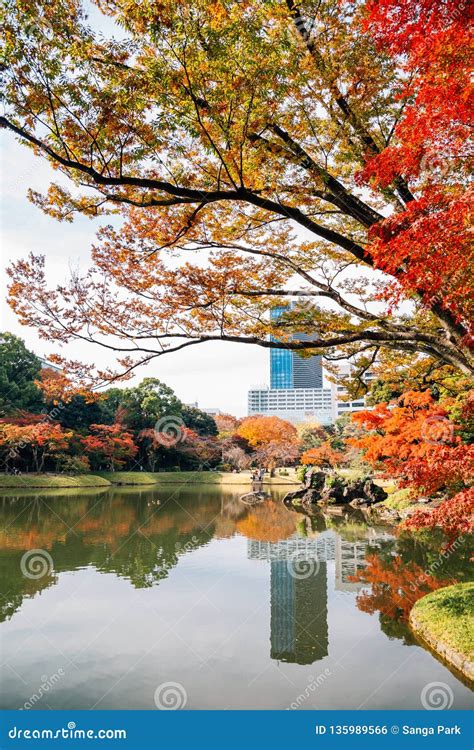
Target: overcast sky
214,374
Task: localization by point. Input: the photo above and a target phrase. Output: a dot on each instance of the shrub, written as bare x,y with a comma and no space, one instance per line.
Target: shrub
73,464
301,473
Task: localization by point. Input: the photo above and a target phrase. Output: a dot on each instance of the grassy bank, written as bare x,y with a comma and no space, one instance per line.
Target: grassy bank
444,619
128,477
191,477
27,481
136,478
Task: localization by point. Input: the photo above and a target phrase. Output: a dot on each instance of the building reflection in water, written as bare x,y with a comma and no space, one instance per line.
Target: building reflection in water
299,614
298,595
298,591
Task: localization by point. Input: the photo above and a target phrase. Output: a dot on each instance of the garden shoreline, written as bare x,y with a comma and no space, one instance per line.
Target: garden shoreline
435,628
139,478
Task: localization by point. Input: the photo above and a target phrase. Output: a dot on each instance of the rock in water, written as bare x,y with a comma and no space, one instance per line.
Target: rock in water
335,490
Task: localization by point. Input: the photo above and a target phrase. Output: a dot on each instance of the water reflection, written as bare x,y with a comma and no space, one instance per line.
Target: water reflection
299,615
302,564
125,533
298,582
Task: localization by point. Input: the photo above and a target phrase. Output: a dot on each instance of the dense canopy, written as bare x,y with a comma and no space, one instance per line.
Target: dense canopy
255,151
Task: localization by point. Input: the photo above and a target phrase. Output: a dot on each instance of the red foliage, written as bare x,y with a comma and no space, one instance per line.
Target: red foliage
395,586
324,455
110,443
416,442
432,233
455,516
22,418
39,434
433,41
41,438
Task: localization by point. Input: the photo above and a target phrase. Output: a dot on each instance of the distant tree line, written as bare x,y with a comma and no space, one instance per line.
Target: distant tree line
144,427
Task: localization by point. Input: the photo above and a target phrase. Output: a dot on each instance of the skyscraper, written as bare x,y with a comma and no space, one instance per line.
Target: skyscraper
288,369
281,360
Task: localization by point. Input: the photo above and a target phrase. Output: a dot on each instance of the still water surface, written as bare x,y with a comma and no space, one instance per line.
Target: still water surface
242,607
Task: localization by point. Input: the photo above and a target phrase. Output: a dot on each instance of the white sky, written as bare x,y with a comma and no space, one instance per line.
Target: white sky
215,374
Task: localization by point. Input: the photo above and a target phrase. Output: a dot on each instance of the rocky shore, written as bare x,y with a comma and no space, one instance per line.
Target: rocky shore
323,489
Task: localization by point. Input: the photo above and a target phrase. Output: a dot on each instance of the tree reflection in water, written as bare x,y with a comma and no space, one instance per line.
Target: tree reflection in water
140,535
404,570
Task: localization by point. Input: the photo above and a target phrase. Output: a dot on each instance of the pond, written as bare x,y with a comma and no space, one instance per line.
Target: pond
138,599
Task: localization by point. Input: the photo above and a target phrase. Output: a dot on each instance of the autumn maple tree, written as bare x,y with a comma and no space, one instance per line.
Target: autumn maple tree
260,430
395,586
254,151
324,455
269,522
274,440
226,424
109,444
416,441
42,440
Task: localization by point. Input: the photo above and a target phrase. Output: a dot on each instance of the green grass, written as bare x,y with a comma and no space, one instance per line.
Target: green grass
351,474
399,499
134,479
216,477
53,492
128,477
26,481
448,616
189,477
389,485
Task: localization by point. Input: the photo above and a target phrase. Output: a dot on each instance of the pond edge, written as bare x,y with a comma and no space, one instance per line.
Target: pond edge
447,654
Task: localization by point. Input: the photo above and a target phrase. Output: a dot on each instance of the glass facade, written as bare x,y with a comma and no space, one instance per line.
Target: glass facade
288,369
281,360
299,614
281,368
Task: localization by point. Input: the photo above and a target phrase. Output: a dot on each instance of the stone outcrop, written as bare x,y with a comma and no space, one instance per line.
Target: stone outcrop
357,493
311,490
324,489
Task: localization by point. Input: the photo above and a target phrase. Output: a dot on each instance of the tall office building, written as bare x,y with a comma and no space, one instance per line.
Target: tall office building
298,604
296,390
296,405
288,369
341,403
